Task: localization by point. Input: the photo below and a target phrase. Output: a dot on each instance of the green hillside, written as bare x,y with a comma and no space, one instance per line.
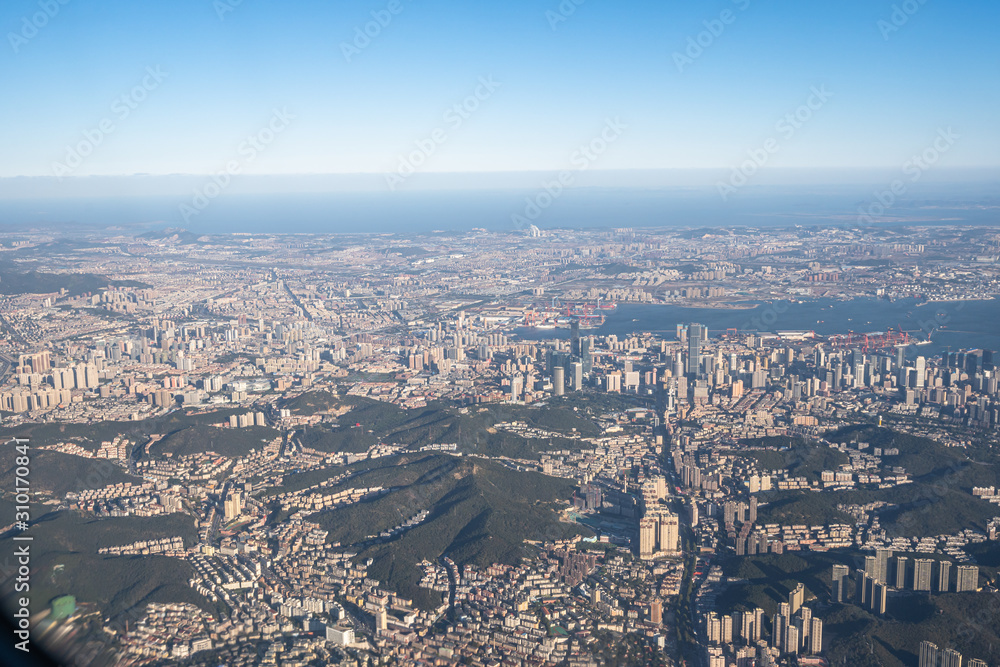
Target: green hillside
480,512
65,561
967,622
232,442
472,430
57,473
938,501
800,457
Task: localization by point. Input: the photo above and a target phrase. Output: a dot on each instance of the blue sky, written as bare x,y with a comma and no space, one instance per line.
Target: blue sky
560,81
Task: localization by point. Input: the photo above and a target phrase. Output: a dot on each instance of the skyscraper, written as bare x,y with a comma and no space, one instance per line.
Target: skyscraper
922,574
647,536
861,585
816,637
655,612
944,576
968,578
901,562
669,533
796,597
805,626
576,375
839,586
792,640
921,371
928,654
558,380
586,358
871,566
879,595
882,565
779,628
696,333
950,658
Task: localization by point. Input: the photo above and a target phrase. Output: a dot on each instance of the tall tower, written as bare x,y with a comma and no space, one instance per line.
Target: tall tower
669,528
882,557
944,576
839,587
586,358
694,336
901,572
921,371
928,654
796,597
922,574
647,536
968,578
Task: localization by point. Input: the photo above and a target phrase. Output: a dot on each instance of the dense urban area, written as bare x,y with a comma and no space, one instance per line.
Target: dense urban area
701,447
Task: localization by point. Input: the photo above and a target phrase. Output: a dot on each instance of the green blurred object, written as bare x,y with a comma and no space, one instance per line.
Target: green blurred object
63,607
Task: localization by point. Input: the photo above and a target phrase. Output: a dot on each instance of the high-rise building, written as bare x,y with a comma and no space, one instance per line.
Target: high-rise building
879,595
816,637
779,628
871,566
944,576
882,557
669,537
576,375
805,626
921,371
839,586
796,597
655,612
928,655
968,578
648,526
516,387
696,333
861,586
901,562
727,630
233,505
976,662
713,628
746,627
792,641
558,380
922,574
381,620
586,356
950,658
